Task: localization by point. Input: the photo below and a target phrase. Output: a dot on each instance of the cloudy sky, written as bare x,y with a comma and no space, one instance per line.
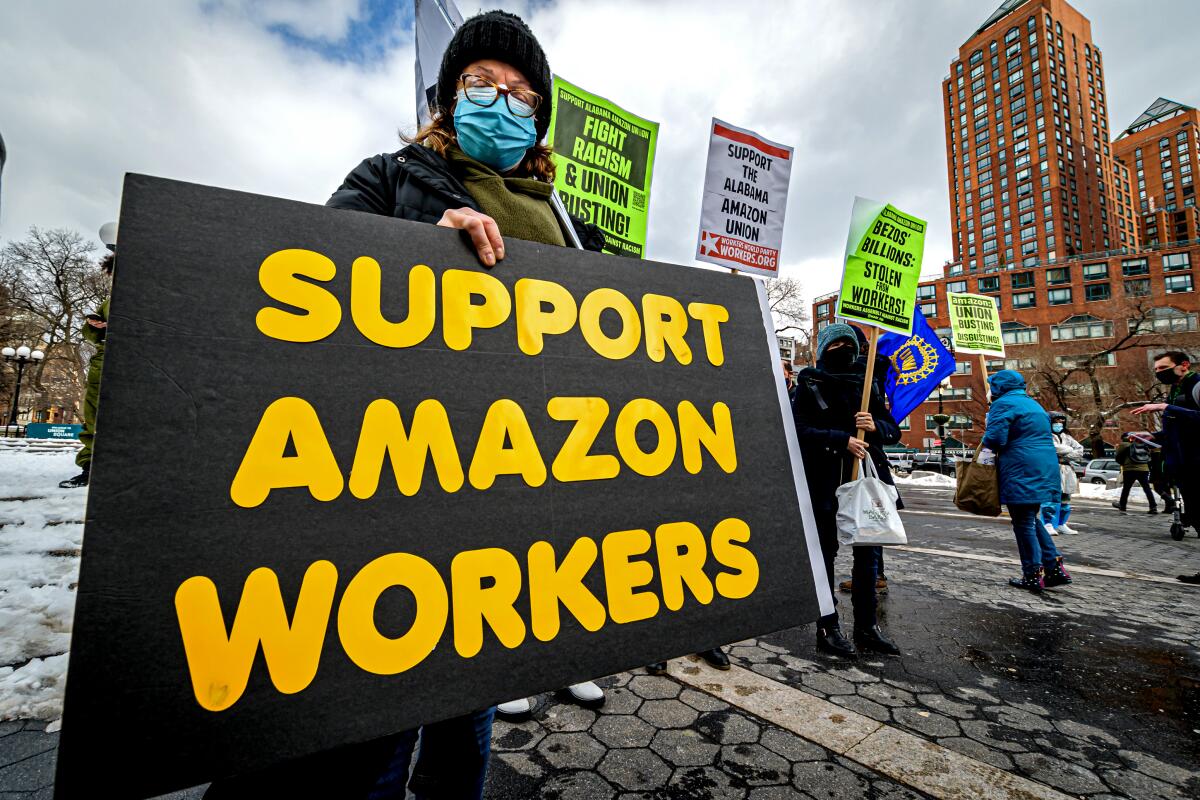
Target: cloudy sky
284,97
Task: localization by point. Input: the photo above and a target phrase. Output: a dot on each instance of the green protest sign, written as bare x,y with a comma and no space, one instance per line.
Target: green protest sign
883,265
605,158
975,324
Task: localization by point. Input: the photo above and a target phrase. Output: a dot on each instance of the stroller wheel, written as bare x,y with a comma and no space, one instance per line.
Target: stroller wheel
1177,531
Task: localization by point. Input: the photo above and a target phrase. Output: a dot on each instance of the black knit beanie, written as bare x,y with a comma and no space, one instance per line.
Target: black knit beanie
504,37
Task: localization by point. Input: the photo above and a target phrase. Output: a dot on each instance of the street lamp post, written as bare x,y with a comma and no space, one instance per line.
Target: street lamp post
941,419
20,356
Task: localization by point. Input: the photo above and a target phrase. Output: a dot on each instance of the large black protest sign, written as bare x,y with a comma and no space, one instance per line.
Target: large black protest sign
346,481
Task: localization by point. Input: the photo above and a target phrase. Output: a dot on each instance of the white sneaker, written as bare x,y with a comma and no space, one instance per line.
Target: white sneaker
1050,529
1064,528
587,694
514,708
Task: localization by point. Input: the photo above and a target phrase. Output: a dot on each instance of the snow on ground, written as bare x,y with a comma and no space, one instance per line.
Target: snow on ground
924,479
1088,491
41,528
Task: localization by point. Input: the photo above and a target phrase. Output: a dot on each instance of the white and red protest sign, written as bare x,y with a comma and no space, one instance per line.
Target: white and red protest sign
745,197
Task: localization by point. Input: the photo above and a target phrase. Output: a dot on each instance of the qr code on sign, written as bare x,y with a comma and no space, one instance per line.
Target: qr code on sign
639,201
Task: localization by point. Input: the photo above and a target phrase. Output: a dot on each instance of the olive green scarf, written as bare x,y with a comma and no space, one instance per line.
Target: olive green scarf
520,206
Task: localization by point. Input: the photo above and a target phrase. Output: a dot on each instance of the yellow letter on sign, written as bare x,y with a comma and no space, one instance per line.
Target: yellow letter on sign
265,467
278,278
362,641
220,664
532,322
473,603
366,289
460,316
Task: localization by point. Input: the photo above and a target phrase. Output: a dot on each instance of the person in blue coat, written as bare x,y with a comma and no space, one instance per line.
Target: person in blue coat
1018,432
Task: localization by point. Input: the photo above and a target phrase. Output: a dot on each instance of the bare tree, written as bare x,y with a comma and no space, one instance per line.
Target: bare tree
1087,386
790,310
49,281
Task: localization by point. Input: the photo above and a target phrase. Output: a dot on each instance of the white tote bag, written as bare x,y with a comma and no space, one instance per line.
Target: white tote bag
867,512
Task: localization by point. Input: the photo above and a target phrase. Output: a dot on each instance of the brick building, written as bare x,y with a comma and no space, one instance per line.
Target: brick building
1091,266
1160,150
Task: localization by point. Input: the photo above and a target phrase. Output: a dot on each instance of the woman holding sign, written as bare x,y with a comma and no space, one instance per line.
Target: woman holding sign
826,422
478,167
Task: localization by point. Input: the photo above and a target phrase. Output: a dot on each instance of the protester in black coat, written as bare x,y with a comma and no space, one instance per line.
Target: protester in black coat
824,411
428,182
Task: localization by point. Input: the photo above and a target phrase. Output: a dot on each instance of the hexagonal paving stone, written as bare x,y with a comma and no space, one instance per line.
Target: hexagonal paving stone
684,748
667,713
701,701
1087,733
886,695
983,732
571,750
623,731
791,746
775,672
507,736
727,727
1143,787
620,701
654,687
979,752
634,769
1011,717
564,718
868,708
925,722
754,764
703,783
753,654
1149,765
577,786
826,781
944,705
522,763
827,684
1071,778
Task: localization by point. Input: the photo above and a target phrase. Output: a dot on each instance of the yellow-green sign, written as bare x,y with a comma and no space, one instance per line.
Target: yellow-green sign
975,324
605,159
883,265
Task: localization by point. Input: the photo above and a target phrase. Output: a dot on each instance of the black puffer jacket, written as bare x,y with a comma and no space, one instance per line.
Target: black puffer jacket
417,184
823,410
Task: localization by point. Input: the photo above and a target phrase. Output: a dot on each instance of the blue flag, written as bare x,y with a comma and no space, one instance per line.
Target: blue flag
919,363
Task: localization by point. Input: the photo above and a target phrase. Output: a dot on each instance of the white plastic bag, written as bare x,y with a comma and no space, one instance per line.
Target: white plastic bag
867,512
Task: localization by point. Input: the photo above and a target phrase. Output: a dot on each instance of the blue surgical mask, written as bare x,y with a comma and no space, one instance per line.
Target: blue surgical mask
493,135
1057,427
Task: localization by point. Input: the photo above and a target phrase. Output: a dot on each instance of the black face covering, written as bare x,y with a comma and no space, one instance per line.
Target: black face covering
838,360
1167,376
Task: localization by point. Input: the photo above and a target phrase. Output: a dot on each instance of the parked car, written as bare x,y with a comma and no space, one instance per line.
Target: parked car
1101,471
900,462
932,462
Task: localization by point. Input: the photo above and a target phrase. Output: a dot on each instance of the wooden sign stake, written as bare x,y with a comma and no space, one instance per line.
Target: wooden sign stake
866,394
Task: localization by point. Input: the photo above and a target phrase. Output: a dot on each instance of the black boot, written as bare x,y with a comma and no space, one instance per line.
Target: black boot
830,640
715,658
1057,575
1033,581
78,481
872,640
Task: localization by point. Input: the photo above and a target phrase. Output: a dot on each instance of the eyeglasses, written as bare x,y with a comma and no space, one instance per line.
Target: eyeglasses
483,92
